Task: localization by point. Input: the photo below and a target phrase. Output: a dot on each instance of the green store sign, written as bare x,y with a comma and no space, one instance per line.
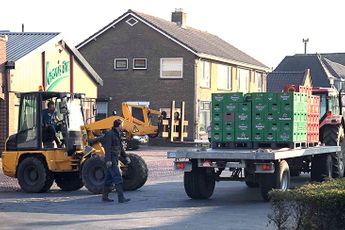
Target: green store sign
55,74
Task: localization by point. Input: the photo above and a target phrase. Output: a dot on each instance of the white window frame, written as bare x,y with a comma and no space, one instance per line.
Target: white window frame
120,59
246,88
205,81
259,87
171,77
228,85
134,59
205,109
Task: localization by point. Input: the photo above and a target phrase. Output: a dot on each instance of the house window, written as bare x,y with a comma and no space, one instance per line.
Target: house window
205,116
205,80
171,68
121,64
139,63
224,79
258,81
243,80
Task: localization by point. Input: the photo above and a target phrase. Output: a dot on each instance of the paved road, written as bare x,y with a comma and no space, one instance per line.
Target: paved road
160,204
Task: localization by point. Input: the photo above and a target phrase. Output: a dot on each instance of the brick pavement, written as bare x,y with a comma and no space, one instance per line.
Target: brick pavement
160,168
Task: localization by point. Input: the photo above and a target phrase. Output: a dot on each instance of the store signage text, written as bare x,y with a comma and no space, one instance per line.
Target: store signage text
56,73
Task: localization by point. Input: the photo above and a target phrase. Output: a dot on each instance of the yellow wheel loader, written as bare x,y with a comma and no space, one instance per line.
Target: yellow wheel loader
70,157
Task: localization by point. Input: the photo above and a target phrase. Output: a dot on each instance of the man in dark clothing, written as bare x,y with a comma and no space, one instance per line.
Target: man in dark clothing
113,148
49,125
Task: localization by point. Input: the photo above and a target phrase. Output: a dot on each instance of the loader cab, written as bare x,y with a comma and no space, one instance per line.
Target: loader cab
33,135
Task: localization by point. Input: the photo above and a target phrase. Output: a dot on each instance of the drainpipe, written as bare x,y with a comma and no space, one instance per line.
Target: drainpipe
196,110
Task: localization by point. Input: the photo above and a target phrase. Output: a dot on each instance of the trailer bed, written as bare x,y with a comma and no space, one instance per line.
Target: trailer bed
251,154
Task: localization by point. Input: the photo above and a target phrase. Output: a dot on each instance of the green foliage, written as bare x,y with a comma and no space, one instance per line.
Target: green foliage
312,206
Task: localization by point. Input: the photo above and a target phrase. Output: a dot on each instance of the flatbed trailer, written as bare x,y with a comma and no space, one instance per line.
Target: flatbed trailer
264,168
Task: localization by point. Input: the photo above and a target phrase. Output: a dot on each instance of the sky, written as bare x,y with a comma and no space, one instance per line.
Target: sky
267,30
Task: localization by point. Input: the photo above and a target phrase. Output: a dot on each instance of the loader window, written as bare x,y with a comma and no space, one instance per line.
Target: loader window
28,128
137,113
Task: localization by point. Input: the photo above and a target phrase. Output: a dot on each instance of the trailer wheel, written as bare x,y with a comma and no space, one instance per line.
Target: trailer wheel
69,181
34,176
93,174
250,180
135,174
333,136
280,179
199,183
321,167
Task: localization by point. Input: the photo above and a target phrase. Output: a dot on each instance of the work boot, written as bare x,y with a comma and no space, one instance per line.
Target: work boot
120,195
105,194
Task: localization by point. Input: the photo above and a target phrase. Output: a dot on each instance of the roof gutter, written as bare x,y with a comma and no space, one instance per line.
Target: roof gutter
231,61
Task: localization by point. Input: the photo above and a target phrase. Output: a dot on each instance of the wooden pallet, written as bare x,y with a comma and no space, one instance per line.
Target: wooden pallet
279,145
313,144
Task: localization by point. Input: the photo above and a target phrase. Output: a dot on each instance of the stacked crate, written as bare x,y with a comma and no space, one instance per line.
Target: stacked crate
217,116
292,117
264,114
313,118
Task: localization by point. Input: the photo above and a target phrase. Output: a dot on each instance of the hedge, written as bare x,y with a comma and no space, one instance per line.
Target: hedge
312,206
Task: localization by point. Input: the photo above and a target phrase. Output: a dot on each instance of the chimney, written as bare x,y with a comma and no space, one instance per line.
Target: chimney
179,17
22,27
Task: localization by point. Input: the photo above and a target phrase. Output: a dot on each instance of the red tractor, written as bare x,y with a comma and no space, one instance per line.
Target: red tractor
331,131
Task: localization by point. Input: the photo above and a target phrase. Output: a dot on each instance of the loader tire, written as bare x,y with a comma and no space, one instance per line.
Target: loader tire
334,136
69,181
135,174
280,179
199,183
34,176
93,174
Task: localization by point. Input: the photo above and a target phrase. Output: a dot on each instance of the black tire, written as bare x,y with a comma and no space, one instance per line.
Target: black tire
93,174
321,167
135,174
295,172
250,180
34,176
199,183
252,184
69,181
280,179
334,136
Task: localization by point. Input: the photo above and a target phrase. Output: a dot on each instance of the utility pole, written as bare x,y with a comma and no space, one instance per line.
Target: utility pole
305,41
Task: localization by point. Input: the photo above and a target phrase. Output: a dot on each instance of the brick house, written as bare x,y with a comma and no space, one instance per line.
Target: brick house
3,97
152,61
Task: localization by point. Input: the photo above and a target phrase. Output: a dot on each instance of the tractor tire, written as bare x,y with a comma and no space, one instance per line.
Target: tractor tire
199,183
321,167
280,179
135,174
93,174
334,136
69,181
34,176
